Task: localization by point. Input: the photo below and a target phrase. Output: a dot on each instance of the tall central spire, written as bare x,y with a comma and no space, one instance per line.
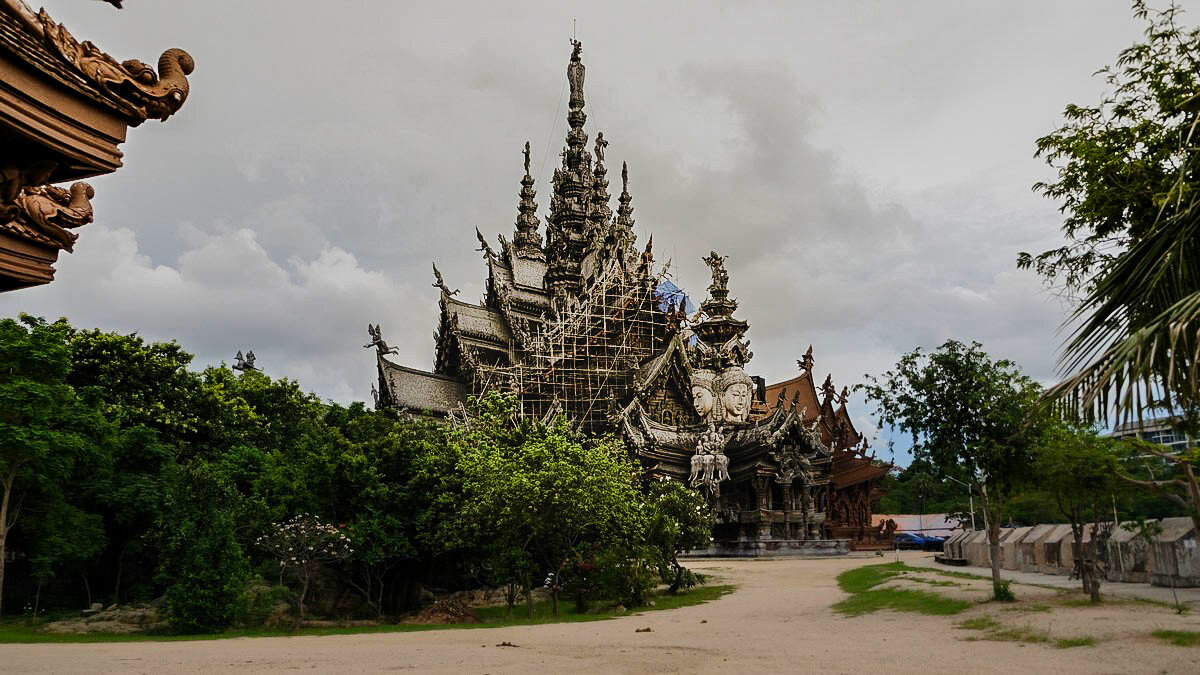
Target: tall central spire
571,201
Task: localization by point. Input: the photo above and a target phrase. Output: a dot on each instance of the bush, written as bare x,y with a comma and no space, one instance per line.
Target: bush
1002,593
262,599
205,567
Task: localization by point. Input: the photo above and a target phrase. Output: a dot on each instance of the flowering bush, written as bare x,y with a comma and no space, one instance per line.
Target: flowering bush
303,545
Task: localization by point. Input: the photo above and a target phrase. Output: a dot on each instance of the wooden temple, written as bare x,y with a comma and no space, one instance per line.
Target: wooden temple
65,106
578,324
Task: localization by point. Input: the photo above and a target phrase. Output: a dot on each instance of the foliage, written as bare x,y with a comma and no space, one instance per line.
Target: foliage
304,545
1079,469
204,565
153,478
1127,182
968,416
680,520
45,428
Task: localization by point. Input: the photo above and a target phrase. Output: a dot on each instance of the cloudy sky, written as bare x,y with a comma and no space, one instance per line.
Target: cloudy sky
866,166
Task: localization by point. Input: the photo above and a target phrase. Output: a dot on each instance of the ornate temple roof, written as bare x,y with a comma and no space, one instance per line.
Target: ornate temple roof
418,390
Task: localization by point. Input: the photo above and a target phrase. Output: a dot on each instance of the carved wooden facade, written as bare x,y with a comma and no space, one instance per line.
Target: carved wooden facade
65,107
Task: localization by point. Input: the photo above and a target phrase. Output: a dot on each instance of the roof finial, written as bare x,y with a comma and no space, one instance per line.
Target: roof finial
527,241
625,211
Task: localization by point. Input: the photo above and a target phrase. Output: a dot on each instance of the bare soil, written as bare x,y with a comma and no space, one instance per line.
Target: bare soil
779,620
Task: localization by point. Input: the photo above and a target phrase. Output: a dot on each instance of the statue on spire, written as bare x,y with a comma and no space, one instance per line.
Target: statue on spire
527,240
526,158
601,144
575,74
720,276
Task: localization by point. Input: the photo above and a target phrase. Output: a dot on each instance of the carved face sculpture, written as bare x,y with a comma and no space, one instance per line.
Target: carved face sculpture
702,398
737,402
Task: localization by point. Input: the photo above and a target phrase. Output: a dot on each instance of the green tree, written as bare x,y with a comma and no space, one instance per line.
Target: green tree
549,494
1079,468
968,416
203,564
1128,178
680,520
44,426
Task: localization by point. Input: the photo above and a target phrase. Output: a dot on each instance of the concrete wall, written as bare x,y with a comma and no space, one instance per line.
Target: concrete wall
1026,557
1130,558
1046,551
1176,558
1010,547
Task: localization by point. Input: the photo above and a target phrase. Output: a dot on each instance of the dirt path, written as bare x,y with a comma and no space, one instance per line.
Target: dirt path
779,620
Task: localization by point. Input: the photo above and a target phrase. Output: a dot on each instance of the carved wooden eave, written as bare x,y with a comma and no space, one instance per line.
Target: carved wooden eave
65,107
36,227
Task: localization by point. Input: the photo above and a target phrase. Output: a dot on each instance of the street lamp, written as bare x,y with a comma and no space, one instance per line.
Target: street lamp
970,496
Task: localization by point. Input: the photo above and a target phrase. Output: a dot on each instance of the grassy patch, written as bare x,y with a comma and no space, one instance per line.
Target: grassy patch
861,580
18,631
934,582
922,602
979,623
1067,643
1027,608
1021,634
1081,602
1182,638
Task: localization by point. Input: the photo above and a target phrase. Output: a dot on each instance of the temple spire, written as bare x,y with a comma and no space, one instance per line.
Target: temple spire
600,214
571,202
718,329
527,240
625,210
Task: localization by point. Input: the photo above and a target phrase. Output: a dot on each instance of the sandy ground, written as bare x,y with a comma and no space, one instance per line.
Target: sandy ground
779,620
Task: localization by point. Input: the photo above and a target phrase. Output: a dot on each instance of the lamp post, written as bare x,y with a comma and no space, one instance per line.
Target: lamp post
970,496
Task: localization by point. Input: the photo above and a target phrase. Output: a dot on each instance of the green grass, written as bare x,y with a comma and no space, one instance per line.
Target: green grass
1022,634
20,631
1182,638
1067,643
1027,608
861,581
979,623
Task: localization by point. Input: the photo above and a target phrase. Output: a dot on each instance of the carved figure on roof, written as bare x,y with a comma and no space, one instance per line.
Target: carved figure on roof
52,210
246,363
484,247
720,276
601,145
375,395
844,397
13,178
441,283
736,390
828,391
149,94
378,342
575,74
527,157
806,363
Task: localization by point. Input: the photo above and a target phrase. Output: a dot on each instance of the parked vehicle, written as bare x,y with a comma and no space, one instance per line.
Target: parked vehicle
909,541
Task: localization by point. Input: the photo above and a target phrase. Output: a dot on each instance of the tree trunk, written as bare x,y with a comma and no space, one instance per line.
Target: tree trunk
8,483
117,586
1194,491
303,592
993,527
86,586
529,594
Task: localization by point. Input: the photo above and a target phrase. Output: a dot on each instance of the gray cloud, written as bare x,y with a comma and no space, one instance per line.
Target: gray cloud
865,166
